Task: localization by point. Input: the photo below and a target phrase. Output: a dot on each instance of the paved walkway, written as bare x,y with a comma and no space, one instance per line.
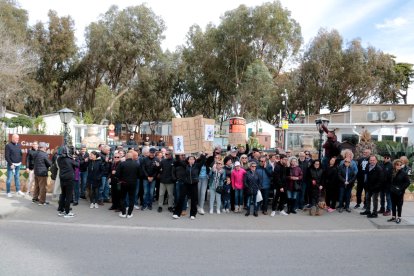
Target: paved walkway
20,209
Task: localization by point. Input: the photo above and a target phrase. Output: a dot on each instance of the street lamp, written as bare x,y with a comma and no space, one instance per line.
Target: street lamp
284,102
65,117
320,123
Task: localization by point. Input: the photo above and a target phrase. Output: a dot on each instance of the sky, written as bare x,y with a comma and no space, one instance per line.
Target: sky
384,24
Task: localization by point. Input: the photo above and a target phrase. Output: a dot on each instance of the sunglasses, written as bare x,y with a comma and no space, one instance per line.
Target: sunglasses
253,166
244,158
116,156
167,154
347,162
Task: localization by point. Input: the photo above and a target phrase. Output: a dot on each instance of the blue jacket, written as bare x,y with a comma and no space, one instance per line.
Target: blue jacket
265,174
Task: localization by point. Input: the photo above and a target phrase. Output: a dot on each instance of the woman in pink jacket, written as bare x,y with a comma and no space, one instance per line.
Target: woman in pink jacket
237,178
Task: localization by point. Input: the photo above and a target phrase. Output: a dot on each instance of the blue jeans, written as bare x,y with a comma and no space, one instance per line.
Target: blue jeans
76,190
238,197
291,194
300,203
179,185
148,192
344,196
83,181
10,176
136,193
202,188
265,201
385,195
104,189
252,199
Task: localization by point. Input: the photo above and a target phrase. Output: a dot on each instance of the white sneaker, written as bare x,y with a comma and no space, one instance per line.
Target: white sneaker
136,207
9,195
283,213
201,211
130,216
61,214
175,217
218,211
92,206
236,209
69,215
20,193
96,206
192,217
273,213
211,211
122,216
228,210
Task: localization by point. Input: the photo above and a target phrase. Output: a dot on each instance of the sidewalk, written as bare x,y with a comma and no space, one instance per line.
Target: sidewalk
21,208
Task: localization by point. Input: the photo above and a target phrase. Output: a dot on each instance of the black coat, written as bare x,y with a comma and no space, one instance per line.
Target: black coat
178,171
363,165
66,168
387,169
330,178
166,168
83,164
252,182
42,164
317,176
401,181
149,167
30,159
375,179
128,172
95,170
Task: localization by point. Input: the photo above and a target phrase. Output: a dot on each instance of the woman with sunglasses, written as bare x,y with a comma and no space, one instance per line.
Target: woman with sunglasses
217,177
400,183
253,184
347,177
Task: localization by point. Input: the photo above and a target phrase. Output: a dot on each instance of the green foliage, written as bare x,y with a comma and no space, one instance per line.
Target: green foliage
395,149
88,118
39,126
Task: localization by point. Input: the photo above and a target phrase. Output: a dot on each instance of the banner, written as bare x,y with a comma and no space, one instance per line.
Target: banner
209,133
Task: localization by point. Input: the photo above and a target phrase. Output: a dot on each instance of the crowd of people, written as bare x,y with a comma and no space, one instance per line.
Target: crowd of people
237,180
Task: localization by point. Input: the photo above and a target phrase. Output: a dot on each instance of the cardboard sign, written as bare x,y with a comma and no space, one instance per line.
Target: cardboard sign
193,132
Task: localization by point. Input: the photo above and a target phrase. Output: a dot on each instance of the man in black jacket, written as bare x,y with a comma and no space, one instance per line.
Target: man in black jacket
67,164
30,165
373,185
362,177
41,168
127,173
150,166
386,184
13,155
104,188
166,182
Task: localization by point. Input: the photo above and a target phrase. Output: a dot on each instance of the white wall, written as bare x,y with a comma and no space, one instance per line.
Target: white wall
266,127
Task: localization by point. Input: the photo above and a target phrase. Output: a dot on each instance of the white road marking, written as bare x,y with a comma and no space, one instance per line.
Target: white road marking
205,230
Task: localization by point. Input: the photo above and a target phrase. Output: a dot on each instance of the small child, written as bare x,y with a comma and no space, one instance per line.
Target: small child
226,195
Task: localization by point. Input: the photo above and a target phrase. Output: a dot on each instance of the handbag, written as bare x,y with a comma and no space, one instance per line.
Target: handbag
396,190
220,189
297,186
259,196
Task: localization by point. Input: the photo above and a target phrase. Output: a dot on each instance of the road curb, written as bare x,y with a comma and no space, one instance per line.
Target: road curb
406,223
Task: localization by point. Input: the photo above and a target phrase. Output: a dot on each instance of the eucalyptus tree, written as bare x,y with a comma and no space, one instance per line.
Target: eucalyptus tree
55,47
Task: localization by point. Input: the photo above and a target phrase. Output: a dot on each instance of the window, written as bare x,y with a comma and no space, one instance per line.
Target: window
387,137
249,132
351,138
374,137
398,139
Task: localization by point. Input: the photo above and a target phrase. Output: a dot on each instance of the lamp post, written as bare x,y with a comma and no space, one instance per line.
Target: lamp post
320,122
3,115
285,136
65,117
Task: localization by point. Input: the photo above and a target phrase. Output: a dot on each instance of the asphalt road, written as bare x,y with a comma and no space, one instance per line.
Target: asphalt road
62,248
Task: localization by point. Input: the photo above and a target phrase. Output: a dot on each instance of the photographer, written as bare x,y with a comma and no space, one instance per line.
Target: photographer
67,165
